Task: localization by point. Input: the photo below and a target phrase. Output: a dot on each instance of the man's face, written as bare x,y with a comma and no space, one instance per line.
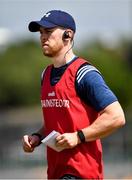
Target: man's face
51,41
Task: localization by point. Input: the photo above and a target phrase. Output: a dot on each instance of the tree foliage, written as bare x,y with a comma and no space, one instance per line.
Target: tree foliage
20,74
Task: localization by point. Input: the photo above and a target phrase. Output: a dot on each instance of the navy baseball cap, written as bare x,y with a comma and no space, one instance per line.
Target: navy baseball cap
53,19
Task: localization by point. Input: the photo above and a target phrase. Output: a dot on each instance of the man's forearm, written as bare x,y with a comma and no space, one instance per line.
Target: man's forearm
41,131
109,120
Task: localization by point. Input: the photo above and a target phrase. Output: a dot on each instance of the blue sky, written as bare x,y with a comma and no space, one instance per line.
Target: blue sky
106,19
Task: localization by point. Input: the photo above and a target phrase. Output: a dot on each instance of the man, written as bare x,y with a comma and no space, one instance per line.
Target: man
76,102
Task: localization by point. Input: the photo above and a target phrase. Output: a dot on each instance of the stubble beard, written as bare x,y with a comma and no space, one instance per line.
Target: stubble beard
51,52
48,54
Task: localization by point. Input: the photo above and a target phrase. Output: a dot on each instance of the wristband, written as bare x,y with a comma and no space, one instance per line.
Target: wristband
39,136
81,136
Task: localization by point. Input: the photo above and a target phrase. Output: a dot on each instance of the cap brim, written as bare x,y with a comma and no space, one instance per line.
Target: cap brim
34,26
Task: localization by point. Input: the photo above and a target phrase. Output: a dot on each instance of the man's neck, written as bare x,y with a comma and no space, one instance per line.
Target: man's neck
63,58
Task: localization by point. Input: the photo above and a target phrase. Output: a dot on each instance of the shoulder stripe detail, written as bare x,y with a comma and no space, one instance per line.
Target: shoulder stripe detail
80,72
85,69
42,76
82,68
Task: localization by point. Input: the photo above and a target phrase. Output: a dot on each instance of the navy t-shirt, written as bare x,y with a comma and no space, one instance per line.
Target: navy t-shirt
90,85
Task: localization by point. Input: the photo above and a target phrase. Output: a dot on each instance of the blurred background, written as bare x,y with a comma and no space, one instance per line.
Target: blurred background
104,36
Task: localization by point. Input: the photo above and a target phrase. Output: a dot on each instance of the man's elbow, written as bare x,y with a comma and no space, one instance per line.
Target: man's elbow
119,116
120,121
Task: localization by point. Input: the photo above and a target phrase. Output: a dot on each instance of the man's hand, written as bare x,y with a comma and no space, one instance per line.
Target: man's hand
67,140
30,142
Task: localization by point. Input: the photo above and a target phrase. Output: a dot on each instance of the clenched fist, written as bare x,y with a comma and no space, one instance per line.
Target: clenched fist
30,142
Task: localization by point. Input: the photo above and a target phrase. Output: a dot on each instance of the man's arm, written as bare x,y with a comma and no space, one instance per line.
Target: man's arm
40,132
110,119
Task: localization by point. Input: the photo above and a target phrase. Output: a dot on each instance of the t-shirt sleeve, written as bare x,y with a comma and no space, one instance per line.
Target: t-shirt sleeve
92,88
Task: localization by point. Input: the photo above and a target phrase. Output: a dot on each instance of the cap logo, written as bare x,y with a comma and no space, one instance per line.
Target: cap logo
46,15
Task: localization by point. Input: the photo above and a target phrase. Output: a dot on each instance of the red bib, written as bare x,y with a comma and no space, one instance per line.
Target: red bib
65,112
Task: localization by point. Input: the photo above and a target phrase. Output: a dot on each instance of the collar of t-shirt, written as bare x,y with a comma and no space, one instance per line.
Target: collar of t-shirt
56,73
